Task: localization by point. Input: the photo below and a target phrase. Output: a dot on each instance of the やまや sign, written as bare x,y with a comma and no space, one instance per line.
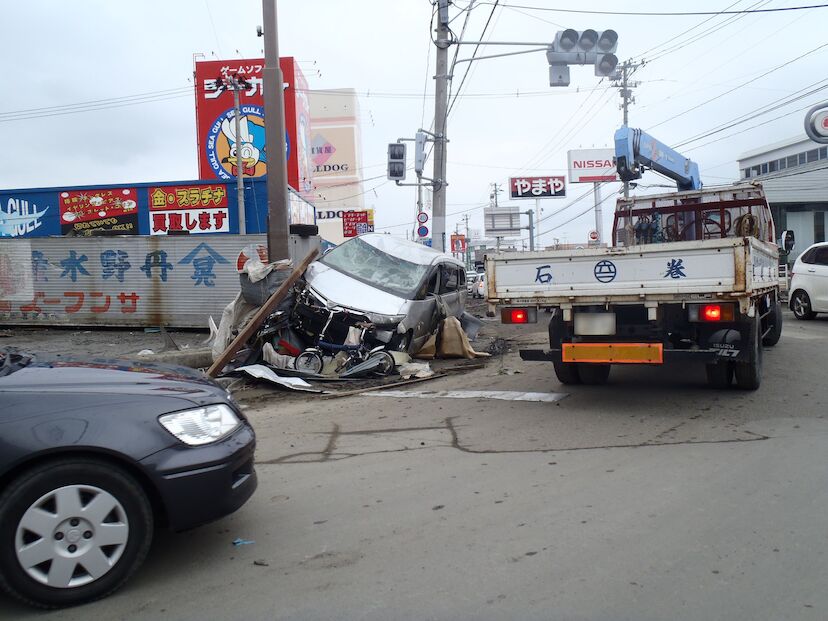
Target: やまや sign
537,187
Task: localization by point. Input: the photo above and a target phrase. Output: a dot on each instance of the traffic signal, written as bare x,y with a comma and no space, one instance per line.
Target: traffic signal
573,47
396,161
420,139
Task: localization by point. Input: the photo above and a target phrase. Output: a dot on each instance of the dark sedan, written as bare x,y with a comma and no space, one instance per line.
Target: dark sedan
94,455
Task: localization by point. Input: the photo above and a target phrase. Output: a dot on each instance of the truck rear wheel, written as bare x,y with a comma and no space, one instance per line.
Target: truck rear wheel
594,374
775,321
749,373
567,372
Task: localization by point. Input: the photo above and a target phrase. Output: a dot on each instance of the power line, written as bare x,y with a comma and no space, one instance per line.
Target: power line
681,34
662,13
729,21
749,116
105,100
91,108
735,88
474,53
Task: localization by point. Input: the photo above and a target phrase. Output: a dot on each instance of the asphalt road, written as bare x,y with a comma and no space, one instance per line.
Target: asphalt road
653,497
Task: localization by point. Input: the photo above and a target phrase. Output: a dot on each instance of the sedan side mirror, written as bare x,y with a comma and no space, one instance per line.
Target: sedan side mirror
788,241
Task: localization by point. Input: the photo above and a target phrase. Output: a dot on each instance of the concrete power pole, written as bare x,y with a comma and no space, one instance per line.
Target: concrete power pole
438,228
622,81
277,186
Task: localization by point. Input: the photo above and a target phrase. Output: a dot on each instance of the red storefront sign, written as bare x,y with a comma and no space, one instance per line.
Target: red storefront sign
537,187
357,223
84,211
458,243
195,209
215,121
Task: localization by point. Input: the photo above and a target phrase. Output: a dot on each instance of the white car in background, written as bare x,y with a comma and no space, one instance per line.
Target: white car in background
809,282
478,289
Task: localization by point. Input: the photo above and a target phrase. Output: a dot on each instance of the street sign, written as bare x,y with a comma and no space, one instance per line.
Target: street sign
537,187
422,231
593,236
356,223
591,166
502,221
422,217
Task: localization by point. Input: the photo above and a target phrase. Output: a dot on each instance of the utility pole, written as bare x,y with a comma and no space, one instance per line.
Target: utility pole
277,186
468,242
622,81
438,228
496,189
531,215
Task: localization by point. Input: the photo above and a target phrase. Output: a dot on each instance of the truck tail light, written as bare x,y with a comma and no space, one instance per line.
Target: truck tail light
519,315
711,313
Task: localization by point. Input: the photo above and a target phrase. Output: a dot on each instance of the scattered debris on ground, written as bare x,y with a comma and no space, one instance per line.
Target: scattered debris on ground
344,324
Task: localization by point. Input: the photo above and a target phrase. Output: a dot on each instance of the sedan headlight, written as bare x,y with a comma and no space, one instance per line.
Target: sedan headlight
201,425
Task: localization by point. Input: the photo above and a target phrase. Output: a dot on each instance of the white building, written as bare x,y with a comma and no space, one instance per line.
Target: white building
794,174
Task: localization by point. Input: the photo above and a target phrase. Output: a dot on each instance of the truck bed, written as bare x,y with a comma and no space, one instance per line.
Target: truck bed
725,268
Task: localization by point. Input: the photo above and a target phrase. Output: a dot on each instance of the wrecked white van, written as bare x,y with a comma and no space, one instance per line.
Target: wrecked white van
402,288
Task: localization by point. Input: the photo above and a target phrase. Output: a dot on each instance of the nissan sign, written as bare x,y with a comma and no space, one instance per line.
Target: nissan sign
592,166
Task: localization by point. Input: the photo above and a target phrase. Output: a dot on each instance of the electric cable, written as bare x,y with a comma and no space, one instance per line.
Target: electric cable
663,13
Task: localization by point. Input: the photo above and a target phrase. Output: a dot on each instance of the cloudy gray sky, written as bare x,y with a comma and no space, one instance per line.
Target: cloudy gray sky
702,72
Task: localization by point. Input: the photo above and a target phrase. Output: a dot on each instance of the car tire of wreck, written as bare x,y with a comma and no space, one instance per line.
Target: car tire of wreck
775,319
567,372
594,374
719,374
749,373
72,530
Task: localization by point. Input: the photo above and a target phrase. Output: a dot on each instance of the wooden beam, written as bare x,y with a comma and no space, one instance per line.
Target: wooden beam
260,316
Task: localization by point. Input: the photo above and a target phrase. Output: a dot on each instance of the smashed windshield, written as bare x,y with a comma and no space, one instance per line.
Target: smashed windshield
364,262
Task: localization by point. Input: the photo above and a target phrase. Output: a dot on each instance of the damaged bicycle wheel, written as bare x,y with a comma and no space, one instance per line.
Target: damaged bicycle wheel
309,362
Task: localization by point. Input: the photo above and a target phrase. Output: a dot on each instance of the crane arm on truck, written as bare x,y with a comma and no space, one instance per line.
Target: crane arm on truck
636,150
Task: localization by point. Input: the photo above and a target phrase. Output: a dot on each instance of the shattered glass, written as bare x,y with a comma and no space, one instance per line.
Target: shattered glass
373,266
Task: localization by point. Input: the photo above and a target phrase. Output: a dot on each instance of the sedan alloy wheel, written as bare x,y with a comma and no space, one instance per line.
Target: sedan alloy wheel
71,536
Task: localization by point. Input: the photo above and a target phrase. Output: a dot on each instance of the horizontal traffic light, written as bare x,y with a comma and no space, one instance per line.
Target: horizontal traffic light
586,47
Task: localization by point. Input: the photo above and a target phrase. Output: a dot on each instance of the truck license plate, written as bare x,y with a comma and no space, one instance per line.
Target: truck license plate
616,353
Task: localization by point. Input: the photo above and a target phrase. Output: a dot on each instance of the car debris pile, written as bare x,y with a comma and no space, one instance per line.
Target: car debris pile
367,308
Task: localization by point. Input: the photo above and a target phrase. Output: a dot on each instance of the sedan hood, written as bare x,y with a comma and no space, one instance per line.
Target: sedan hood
342,290
112,377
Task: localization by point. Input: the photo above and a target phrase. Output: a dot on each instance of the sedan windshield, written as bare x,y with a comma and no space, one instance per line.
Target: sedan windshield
362,261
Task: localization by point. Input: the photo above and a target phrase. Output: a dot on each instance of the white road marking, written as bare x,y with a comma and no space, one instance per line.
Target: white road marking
503,395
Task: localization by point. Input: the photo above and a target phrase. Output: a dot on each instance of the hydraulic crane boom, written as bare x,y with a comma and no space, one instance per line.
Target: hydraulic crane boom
636,151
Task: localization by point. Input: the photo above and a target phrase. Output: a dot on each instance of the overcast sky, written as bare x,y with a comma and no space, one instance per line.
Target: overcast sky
702,73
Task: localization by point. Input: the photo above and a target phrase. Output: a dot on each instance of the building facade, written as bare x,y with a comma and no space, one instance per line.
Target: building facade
336,160
794,175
